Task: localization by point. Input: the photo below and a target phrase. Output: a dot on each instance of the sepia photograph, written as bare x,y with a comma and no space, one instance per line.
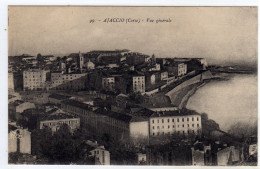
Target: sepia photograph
122,85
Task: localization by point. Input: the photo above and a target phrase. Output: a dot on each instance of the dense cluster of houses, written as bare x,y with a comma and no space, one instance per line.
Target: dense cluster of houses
110,78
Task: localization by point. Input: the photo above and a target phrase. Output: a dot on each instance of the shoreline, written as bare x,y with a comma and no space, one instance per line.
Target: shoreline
187,93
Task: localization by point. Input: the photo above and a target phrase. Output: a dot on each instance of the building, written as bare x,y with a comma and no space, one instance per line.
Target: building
10,82
17,107
19,140
80,62
55,121
155,67
164,75
138,84
141,158
68,81
34,79
181,121
102,156
89,65
57,98
108,83
131,82
177,69
137,59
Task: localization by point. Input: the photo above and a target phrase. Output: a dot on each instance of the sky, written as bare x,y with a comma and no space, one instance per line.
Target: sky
222,35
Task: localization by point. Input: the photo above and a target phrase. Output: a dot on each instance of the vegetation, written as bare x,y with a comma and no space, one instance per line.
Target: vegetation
61,147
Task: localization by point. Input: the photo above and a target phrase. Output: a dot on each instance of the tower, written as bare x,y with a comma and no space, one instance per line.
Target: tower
80,61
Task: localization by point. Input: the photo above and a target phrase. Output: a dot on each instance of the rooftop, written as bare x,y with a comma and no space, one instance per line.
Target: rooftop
180,112
119,116
58,116
77,104
59,97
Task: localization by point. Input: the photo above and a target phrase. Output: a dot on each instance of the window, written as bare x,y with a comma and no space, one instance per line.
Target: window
173,126
158,121
153,121
163,127
183,125
198,125
168,120
188,119
172,120
197,119
192,125
183,132
153,127
188,125
168,126
158,133
192,119
177,119
182,119
162,121
158,127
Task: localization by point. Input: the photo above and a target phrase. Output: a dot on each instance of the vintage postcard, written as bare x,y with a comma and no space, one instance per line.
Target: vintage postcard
107,85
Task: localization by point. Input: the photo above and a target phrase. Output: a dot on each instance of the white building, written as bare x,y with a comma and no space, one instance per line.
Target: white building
182,69
139,84
102,156
55,121
175,122
34,79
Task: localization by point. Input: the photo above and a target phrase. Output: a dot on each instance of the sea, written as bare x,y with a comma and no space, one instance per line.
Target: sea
228,102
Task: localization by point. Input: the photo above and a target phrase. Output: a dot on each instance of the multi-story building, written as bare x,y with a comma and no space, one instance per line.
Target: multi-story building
137,58
182,121
34,79
108,83
55,121
10,82
71,81
177,69
138,84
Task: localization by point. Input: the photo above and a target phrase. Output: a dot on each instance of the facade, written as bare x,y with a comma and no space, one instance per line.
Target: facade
70,81
177,69
108,83
10,82
34,79
19,140
138,84
56,120
164,75
137,58
175,122
102,156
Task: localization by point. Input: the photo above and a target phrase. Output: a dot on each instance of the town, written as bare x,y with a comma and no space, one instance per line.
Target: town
116,107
